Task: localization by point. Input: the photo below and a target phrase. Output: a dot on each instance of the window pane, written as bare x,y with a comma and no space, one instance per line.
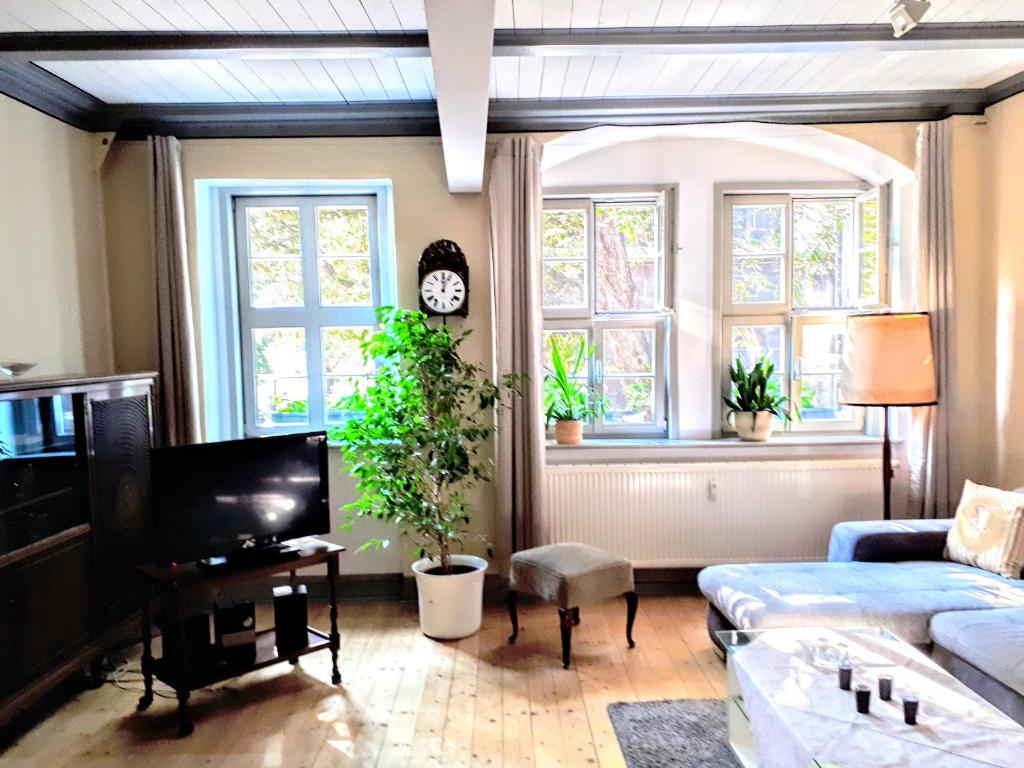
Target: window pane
343,230
629,351
758,229
273,231
565,284
757,279
824,270
282,393
867,242
344,367
751,342
565,234
345,282
821,354
275,265
568,342
627,257
275,283
629,400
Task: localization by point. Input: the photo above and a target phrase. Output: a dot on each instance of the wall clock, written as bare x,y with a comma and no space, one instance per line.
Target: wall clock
444,280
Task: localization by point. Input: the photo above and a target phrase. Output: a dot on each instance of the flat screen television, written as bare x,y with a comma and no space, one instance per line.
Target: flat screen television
216,499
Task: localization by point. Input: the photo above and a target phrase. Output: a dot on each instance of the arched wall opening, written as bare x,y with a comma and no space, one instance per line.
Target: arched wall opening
701,164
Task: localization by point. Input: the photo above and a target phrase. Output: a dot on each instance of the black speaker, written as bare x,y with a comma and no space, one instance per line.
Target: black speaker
291,618
198,650
119,437
234,625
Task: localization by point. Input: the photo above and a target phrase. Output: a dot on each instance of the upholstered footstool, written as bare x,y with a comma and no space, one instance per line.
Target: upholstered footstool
570,576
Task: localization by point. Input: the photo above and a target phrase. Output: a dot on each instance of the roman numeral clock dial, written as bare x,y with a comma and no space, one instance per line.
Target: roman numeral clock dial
443,291
444,280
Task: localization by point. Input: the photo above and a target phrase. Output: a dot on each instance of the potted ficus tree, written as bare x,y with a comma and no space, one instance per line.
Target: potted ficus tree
756,401
568,402
413,441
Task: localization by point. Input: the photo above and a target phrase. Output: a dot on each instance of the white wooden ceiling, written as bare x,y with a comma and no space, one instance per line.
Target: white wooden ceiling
408,15
266,81
272,81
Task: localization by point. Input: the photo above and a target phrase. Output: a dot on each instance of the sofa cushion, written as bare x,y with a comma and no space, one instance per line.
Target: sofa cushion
988,530
992,641
902,597
888,541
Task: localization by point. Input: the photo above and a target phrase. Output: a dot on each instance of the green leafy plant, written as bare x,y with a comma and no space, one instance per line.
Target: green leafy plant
566,398
291,406
416,432
754,390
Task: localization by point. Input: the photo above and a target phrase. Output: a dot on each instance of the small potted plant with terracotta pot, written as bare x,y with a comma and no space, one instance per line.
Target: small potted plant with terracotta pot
756,402
568,402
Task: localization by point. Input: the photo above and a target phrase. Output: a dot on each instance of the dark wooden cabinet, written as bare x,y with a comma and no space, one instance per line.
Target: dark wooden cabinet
75,518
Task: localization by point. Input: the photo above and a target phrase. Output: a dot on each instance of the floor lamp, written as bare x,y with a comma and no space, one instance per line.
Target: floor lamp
888,361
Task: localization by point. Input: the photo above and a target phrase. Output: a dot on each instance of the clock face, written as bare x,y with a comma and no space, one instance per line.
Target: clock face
443,291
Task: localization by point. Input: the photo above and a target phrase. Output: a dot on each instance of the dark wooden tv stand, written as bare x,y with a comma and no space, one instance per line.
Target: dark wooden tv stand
179,581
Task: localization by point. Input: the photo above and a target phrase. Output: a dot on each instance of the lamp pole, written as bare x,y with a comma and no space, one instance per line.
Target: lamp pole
886,467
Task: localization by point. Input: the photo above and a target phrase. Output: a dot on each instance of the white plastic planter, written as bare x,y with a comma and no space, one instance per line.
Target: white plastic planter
451,607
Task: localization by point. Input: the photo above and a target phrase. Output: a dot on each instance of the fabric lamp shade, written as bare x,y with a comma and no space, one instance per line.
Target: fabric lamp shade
888,360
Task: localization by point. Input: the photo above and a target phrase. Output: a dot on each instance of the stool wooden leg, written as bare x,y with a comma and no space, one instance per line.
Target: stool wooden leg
565,619
631,604
513,615
576,616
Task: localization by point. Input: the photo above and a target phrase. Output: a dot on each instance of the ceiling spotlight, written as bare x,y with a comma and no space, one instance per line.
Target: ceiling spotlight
907,14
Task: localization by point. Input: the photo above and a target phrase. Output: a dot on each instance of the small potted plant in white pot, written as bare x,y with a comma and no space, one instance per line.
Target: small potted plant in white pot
568,402
756,402
413,441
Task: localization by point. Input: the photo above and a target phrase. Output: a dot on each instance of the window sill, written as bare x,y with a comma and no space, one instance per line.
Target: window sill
602,451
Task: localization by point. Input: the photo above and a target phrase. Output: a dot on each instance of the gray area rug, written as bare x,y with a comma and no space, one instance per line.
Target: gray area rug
673,734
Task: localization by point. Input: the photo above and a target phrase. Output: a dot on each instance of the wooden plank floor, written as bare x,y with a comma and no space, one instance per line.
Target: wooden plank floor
406,700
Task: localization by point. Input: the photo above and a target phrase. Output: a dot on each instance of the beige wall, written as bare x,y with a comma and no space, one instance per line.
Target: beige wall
993,343
424,212
54,307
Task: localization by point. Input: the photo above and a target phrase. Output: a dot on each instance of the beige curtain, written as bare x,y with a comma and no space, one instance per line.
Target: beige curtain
176,337
932,483
516,202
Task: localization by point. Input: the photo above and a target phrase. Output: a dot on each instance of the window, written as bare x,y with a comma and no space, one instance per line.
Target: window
794,267
309,279
604,282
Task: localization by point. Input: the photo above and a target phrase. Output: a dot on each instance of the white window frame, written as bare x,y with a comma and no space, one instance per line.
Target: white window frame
595,323
226,407
792,320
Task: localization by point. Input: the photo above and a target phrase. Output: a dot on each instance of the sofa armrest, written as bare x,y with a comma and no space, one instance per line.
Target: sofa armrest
887,541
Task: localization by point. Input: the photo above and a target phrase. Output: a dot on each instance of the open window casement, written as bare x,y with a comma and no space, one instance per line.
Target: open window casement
871,233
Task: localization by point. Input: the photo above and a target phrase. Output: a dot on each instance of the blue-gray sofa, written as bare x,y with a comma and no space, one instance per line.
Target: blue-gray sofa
889,574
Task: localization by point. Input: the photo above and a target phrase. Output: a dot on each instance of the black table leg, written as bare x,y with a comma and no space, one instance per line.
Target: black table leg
565,619
631,603
332,578
511,600
147,652
182,679
576,616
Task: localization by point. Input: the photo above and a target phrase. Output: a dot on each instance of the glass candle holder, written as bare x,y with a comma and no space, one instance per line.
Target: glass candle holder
863,699
845,675
910,705
885,687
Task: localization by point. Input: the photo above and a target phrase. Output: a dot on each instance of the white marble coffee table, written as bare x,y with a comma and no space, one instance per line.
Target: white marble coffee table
786,709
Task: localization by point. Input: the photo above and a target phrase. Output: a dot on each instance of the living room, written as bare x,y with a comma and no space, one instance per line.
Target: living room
552,383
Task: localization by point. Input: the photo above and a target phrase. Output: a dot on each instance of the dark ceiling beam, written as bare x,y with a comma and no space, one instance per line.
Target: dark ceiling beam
107,46
213,121
53,96
420,118
102,46
578,114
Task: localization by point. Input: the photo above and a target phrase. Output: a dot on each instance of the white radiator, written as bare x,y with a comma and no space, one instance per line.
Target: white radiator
673,515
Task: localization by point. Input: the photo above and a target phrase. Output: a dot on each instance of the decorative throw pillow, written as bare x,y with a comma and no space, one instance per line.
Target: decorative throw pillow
988,531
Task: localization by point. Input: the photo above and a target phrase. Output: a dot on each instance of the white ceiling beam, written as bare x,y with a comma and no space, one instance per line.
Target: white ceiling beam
461,34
